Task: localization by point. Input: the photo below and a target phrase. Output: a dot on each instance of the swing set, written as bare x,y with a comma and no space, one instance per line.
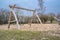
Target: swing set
12,7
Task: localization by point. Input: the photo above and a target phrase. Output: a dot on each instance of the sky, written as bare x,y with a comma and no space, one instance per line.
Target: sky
52,6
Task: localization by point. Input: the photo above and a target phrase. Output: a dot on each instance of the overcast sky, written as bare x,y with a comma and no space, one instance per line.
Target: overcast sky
51,5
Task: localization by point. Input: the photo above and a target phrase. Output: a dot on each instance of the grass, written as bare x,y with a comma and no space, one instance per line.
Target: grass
26,35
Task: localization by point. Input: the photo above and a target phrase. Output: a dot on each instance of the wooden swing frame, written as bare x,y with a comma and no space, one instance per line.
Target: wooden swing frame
12,11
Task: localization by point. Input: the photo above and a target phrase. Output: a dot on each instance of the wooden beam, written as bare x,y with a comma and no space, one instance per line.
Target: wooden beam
20,8
13,21
9,20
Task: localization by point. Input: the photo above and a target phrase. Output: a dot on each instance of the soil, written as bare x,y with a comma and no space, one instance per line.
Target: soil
32,27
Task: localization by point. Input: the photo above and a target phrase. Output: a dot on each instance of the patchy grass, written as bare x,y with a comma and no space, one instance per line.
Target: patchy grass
26,35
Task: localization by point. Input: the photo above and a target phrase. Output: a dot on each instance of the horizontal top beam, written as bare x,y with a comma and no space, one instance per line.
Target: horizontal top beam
14,6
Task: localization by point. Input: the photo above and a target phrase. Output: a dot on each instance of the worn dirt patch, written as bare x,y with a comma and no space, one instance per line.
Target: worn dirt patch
33,27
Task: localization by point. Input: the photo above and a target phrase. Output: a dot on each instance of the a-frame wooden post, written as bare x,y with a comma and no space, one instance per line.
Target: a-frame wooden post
35,13
11,10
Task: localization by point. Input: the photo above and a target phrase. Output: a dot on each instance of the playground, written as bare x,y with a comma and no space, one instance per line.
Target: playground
29,20
29,26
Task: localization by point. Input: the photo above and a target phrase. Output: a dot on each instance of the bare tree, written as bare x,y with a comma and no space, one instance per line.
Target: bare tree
41,8
44,18
51,17
3,16
58,15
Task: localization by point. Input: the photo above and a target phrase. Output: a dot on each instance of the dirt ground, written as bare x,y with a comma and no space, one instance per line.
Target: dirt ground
33,27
